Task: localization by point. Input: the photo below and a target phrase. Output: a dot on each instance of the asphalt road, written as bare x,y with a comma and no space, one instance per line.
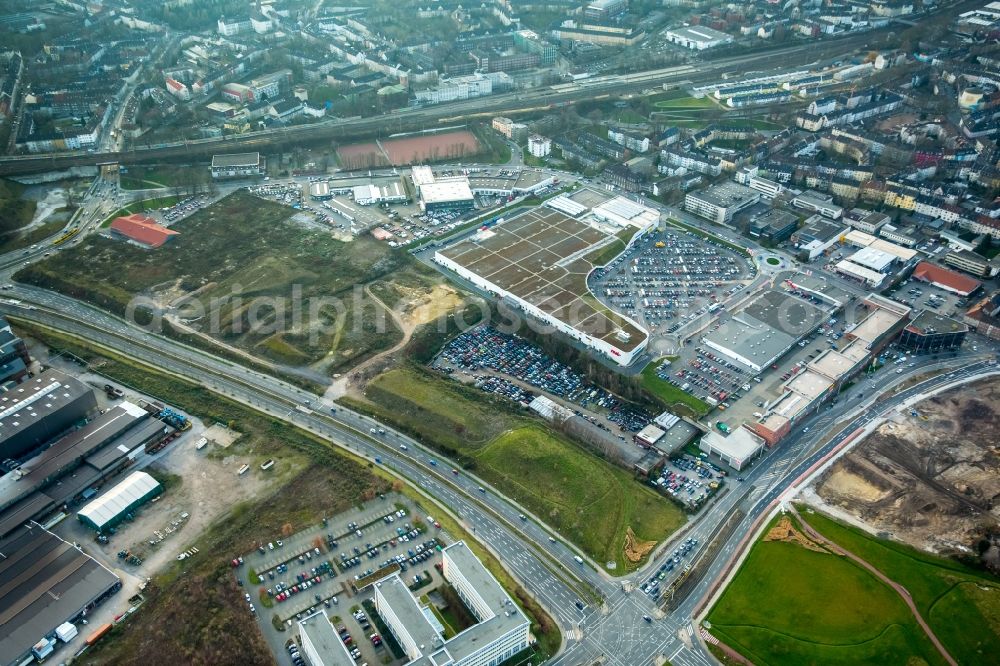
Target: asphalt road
615,629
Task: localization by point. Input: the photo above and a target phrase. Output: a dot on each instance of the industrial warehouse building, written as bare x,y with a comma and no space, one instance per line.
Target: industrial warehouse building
538,261
501,630
697,37
14,359
40,409
438,193
372,195
74,466
320,190
44,582
116,504
240,165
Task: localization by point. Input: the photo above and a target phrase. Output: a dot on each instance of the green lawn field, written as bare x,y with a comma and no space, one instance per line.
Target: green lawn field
961,605
791,605
141,178
232,252
589,501
445,413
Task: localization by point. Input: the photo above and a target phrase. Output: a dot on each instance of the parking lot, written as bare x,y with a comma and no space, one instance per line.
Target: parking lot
323,568
689,479
924,296
711,377
179,210
669,278
485,348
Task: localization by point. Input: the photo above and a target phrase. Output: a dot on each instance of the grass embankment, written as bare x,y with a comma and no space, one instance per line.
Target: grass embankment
587,500
19,240
15,210
189,604
685,102
672,395
270,285
792,605
142,178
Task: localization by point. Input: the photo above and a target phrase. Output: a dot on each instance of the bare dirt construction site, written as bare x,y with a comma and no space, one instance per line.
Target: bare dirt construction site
930,477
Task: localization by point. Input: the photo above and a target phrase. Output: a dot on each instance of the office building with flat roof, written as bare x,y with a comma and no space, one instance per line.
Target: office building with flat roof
720,202
931,332
501,630
320,643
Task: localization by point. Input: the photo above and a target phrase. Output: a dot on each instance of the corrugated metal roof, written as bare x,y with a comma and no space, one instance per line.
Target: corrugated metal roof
108,506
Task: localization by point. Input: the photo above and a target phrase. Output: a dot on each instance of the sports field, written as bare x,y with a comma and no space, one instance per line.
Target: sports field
589,501
795,602
541,257
431,147
405,150
361,156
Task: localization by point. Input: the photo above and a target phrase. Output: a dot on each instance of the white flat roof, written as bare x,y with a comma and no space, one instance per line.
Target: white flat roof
810,384
855,270
872,258
446,190
699,33
902,253
624,212
739,445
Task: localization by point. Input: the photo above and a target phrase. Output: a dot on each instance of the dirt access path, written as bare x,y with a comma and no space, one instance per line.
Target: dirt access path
900,590
341,385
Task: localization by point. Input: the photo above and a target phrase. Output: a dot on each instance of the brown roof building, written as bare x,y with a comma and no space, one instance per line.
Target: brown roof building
143,230
946,279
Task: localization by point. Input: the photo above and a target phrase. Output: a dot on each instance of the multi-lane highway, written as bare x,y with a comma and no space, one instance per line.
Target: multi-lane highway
614,629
